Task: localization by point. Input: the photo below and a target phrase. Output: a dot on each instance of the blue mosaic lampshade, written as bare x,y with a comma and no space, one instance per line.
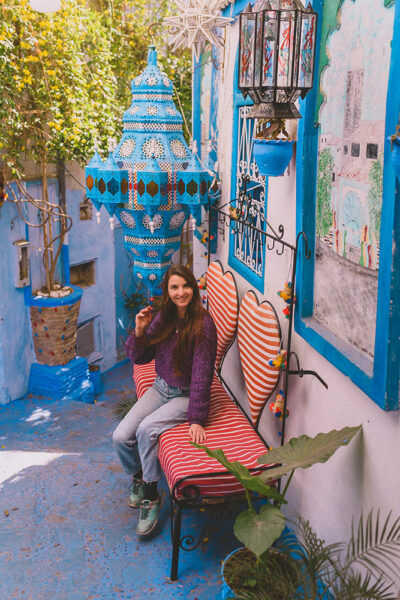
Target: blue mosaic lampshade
151,152
91,174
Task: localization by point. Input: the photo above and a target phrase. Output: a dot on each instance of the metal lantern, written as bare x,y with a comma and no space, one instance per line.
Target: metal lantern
138,184
276,56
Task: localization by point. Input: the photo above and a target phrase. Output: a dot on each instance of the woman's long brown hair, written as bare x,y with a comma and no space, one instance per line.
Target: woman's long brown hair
193,320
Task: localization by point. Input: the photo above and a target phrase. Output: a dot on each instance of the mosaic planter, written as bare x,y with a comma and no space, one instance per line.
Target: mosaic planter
272,156
54,324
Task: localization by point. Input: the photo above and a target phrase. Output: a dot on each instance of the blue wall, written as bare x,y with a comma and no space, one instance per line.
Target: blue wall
16,352
87,240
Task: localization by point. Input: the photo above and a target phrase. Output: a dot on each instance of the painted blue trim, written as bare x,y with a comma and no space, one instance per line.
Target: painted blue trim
45,302
379,379
196,124
238,101
237,8
247,274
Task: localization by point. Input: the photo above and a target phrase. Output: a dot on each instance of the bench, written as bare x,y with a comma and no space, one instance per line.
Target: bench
194,479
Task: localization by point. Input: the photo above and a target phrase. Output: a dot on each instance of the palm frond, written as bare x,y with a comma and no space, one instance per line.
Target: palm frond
374,546
123,406
362,587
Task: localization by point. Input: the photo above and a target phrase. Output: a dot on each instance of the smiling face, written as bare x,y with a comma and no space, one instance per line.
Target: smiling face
180,293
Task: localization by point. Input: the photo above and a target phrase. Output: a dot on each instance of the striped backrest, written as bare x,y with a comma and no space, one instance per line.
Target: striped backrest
223,306
259,340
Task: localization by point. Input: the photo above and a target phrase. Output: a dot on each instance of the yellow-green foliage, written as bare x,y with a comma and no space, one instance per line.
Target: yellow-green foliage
65,77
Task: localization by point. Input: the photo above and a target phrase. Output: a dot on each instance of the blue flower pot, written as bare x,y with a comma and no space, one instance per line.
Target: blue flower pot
396,156
226,590
272,156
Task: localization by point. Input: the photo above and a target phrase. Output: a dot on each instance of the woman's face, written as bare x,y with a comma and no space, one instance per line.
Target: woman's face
180,293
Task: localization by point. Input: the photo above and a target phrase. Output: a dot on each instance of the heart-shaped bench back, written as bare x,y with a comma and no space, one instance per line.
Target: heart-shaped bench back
223,305
259,340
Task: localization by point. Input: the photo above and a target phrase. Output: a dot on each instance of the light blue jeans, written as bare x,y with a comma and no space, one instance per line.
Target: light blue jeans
136,437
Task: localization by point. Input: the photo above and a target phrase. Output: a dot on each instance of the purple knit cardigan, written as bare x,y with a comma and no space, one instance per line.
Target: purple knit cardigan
201,356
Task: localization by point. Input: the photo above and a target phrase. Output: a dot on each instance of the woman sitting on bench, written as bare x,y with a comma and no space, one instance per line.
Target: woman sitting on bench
182,339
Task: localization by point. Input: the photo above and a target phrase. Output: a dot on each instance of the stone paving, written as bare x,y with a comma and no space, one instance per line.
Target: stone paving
66,530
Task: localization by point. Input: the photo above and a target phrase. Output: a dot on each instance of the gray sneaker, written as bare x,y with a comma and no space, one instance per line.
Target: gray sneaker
148,516
136,492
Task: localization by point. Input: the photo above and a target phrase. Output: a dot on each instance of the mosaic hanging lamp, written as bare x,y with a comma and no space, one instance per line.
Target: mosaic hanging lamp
138,182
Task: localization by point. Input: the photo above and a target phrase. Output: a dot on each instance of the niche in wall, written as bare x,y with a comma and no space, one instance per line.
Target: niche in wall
83,274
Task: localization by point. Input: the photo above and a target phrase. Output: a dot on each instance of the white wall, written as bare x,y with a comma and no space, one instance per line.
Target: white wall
362,476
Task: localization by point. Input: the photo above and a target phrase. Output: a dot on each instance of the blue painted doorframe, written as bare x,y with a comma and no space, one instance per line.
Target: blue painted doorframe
381,382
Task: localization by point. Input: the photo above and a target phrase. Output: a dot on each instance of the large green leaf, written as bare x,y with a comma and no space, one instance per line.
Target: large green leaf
243,475
259,531
303,451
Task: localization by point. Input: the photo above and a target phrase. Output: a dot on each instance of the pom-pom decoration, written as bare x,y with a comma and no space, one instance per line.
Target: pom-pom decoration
202,283
233,213
277,407
287,293
279,362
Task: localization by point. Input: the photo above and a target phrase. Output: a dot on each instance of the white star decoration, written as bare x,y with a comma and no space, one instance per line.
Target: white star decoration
195,23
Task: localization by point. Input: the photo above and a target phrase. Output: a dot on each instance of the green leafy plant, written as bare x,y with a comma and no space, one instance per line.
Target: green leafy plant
271,129
65,81
258,531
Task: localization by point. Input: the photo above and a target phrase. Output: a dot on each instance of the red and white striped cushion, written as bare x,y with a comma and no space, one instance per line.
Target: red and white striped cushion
223,305
227,428
259,340
144,377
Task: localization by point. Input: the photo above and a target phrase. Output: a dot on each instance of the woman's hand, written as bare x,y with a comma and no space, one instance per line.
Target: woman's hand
143,320
197,433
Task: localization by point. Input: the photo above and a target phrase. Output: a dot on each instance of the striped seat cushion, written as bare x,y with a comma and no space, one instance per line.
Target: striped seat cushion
227,428
259,340
223,304
144,377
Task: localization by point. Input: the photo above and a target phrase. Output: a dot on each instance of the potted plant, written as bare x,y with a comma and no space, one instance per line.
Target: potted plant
272,147
258,531
395,147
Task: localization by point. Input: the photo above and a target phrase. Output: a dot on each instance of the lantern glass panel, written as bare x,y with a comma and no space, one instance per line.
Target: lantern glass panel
247,42
286,49
258,51
307,45
270,48
296,42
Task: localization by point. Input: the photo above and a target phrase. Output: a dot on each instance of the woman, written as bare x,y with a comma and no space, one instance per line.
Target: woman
183,340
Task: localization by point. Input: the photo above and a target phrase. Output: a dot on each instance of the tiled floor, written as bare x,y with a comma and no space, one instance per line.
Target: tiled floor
66,530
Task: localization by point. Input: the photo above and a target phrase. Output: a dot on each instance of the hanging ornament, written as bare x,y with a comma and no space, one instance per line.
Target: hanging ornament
277,407
279,362
287,295
197,22
202,282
